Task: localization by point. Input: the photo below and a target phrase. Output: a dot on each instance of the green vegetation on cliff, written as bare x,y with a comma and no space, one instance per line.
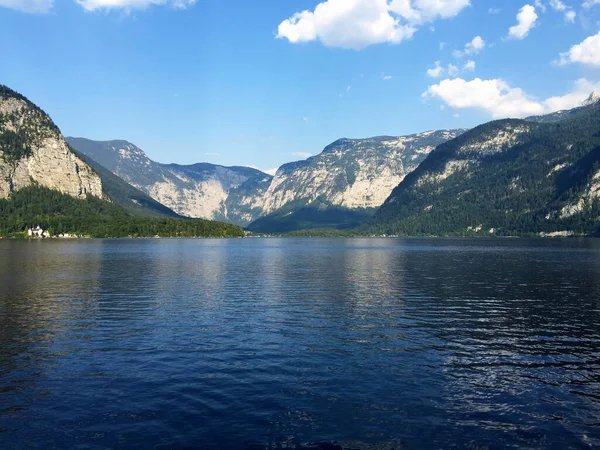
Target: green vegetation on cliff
61,214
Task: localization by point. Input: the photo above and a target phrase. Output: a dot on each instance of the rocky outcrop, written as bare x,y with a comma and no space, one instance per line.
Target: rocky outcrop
352,173
592,99
32,151
207,191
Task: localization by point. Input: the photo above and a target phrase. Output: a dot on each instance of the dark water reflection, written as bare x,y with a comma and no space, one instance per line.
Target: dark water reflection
312,343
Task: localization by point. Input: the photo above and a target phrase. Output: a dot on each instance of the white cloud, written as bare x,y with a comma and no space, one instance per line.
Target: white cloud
493,96
437,71
581,90
271,171
356,24
539,4
387,77
570,16
590,3
500,100
558,5
494,11
526,19
93,5
469,66
305,119
302,155
471,48
587,52
28,6
451,70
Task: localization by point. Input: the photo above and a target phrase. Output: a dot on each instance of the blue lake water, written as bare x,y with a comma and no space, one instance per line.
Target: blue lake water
300,343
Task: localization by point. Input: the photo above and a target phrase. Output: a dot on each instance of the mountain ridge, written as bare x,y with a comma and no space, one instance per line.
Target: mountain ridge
33,151
532,177
349,174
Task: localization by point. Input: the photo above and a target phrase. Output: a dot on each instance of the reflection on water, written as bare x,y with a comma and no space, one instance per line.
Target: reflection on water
300,343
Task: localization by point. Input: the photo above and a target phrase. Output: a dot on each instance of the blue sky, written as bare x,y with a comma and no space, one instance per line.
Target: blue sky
263,83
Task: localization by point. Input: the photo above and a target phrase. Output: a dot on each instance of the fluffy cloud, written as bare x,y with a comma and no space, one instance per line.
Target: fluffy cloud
540,5
471,48
469,66
590,3
93,5
560,6
581,90
439,71
28,6
570,16
500,100
494,96
526,19
587,52
356,24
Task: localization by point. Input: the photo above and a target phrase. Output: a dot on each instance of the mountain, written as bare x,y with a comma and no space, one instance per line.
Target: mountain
592,99
231,194
33,152
339,188
342,186
54,214
46,185
507,177
122,193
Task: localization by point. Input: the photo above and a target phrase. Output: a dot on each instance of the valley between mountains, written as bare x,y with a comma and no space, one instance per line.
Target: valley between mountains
538,176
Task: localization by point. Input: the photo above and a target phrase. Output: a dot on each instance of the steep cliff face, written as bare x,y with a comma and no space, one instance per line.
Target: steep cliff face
32,151
203,190
352,173
349,175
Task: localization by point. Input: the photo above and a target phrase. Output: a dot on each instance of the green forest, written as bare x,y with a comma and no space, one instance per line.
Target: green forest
60,214
519,190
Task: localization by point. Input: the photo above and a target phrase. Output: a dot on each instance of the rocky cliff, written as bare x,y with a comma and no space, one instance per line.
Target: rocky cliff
206,191
350,174
33,151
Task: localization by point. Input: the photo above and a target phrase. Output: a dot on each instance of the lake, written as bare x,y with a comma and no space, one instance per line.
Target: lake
300,343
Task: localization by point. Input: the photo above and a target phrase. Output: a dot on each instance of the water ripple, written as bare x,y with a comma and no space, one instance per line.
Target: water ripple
300,343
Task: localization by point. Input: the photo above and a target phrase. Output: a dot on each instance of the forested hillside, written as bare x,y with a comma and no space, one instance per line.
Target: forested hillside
507,177
62,214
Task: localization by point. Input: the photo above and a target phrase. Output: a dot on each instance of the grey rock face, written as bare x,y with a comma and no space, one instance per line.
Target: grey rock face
32,151
203,190
350,173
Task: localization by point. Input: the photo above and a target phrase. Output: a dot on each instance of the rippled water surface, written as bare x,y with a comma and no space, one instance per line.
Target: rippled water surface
300,343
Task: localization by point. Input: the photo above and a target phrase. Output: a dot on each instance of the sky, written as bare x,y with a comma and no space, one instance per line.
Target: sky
263,83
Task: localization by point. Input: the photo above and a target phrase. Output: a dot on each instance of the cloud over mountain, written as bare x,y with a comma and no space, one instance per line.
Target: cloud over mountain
356,24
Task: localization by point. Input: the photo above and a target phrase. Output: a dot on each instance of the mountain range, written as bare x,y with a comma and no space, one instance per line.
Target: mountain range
540,175
340,187
508,177
46,185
